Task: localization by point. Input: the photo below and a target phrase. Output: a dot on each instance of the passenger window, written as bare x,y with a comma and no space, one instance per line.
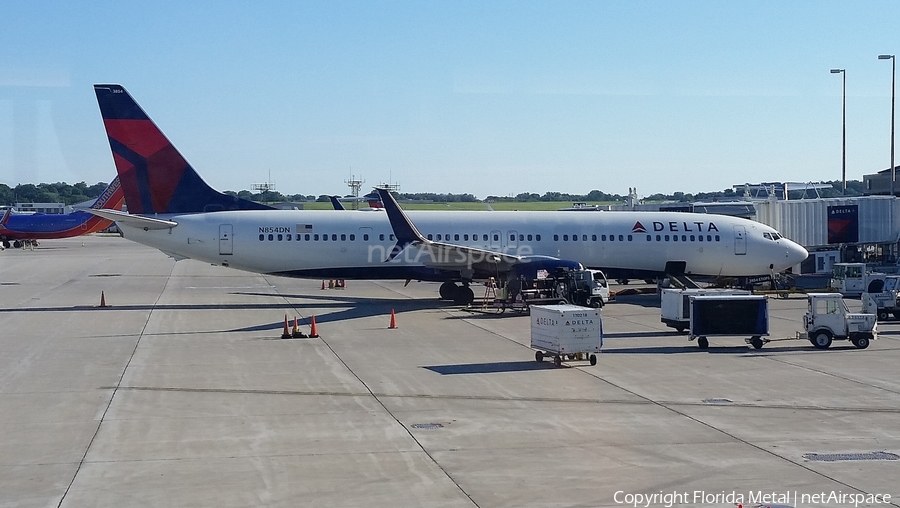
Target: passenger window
280,237
324,238
391,237
667,238
674,238
692,238
649,237
593,238
700,237
262,237
683,238
316,237
602,238
366,237
485,238
496,238
439,237
537,237
629,237
381,237
456,237
352,237
555,238
429,237
512,238
343,238
565,238
658,238
717,238
529,238
466,237
612,238
334,237
521,238
583,238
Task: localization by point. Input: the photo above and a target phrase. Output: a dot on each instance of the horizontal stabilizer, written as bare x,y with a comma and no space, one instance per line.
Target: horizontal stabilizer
137,221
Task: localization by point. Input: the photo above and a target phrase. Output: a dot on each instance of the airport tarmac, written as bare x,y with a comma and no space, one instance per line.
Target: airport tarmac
181,393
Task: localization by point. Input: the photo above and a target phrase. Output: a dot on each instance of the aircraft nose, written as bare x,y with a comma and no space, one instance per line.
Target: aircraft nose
796,253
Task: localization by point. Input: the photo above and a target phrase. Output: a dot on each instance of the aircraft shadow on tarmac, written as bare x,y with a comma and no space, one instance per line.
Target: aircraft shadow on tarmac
489,368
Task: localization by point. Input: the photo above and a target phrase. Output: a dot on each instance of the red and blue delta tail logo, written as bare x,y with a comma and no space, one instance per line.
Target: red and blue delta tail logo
638,228
155,178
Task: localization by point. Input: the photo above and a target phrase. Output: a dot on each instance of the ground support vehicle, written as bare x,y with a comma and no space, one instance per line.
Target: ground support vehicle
729,316
853,279
675,304
827,318
587,288
885,303
566,332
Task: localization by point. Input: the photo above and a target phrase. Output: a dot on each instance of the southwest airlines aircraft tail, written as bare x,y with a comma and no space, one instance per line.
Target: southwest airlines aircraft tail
155,177
173,210
16,229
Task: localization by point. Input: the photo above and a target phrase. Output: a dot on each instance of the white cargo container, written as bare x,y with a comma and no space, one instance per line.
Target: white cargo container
566,331
675,304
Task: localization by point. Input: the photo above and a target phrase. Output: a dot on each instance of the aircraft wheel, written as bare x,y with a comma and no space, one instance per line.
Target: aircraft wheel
702,342
593,359
539,356
5,244
17,244
883,315
447,289
821,340
861,343
557,361
756,342
463,295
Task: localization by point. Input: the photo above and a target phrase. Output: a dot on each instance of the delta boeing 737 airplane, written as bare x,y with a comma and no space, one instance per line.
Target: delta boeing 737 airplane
172,209
19,229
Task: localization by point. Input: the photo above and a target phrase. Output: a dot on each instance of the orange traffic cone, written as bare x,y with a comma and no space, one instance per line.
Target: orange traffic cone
296,333
312,328
393,320
323,284
102,299
287,333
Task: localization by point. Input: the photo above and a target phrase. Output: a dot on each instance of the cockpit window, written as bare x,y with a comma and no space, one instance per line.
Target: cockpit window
772,236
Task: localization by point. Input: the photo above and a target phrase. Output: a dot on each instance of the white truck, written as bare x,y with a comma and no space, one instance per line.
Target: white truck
828,318
569,331
853,279
885,303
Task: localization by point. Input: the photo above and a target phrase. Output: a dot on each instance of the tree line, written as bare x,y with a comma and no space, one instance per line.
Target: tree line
62,192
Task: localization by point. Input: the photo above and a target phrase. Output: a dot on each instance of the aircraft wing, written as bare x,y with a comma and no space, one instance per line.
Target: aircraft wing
138,221
437,254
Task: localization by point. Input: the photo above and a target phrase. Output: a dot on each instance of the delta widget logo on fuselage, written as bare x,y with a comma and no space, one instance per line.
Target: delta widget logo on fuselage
677,227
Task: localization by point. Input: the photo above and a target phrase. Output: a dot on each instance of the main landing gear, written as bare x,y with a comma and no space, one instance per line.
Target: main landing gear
461,295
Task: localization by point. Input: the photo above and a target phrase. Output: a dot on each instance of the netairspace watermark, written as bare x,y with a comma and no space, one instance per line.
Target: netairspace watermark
750,499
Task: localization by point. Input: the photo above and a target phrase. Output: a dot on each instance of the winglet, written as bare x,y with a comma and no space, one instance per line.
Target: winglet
336,203
404,230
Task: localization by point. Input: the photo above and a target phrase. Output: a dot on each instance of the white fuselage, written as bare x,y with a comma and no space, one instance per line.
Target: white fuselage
355,244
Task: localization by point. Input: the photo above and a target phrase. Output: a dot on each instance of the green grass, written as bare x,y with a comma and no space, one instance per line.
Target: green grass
530,205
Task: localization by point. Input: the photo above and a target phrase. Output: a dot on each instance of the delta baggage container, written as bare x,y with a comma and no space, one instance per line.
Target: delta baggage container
730,315
566,331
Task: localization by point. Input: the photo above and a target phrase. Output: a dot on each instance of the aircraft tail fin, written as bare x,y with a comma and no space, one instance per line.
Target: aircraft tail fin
5,218
336,203
154,177
112,198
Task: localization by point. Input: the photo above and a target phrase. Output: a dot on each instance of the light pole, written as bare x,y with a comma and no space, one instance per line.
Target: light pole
893,74
844,136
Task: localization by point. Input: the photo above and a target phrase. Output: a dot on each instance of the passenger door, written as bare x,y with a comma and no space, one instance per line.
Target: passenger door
740,241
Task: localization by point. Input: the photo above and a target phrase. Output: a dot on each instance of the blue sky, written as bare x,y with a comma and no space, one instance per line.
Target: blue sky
482,97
